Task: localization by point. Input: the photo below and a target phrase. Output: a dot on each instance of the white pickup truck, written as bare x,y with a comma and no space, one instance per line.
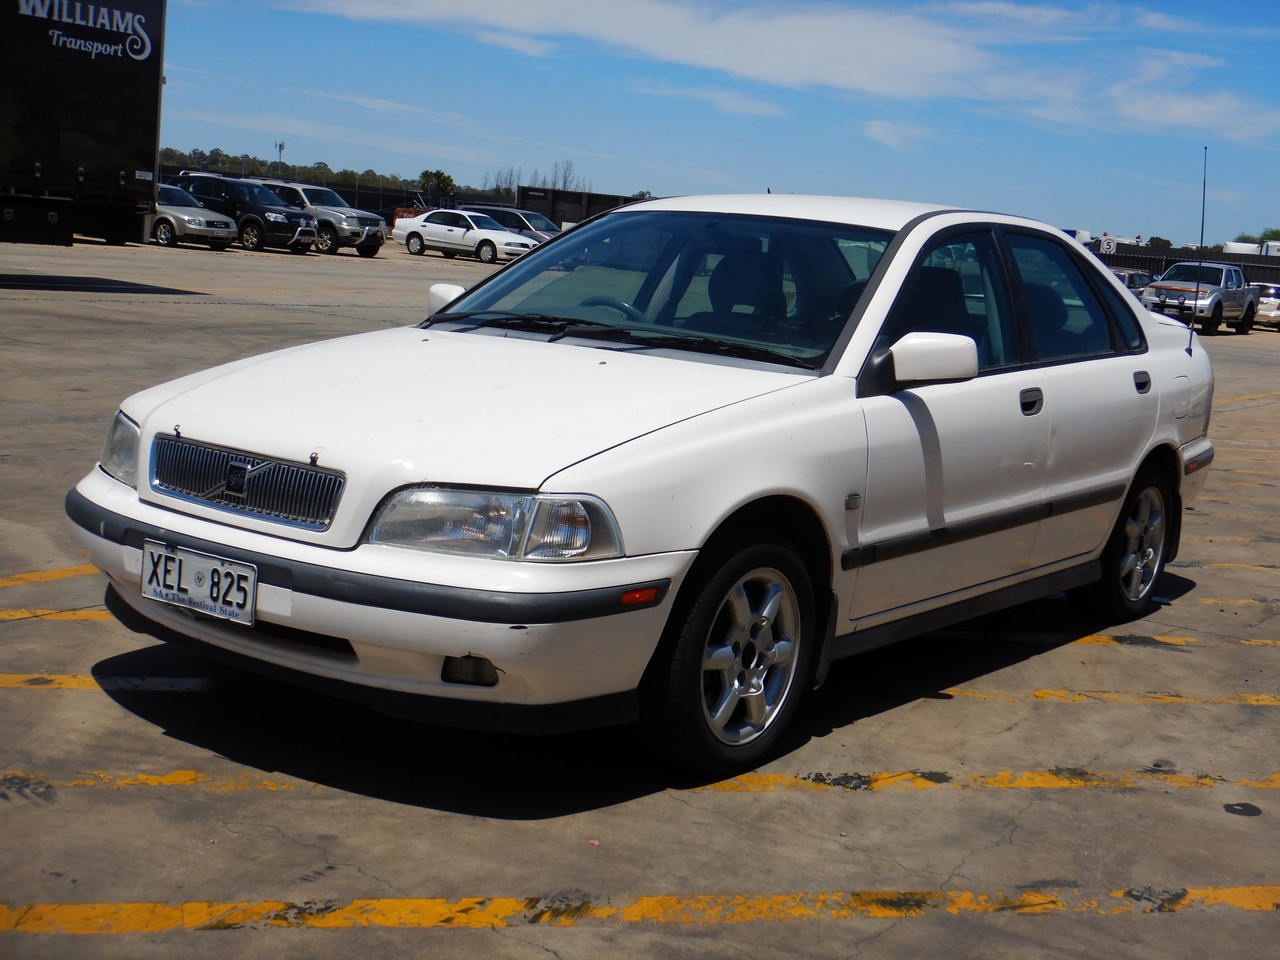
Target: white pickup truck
1208,292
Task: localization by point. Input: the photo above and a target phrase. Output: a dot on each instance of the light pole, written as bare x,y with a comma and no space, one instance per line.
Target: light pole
280,153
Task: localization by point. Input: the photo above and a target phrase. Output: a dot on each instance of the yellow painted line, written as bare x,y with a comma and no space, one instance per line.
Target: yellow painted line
1237,602
1250,396
21,783
1102,639
74,681
1055,779
48,576
1120,696
10,615
488,913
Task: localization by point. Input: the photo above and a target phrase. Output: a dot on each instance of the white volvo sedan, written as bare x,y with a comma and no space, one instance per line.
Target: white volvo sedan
664,469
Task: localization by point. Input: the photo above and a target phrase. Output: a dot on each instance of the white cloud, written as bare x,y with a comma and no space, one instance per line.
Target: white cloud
1061,63
727,101
896,135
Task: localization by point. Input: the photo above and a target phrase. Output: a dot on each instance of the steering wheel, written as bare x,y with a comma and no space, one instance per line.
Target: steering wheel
622,307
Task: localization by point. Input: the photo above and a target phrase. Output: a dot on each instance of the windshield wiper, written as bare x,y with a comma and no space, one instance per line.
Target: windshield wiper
537,322
563,327
701,343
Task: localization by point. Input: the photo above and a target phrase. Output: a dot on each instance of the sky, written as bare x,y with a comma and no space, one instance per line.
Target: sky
1107,117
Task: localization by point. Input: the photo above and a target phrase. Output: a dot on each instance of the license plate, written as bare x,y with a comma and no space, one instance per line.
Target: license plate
211,585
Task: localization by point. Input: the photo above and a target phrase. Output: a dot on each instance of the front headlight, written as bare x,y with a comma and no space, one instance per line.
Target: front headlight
277,218
120,452
193,221
510,526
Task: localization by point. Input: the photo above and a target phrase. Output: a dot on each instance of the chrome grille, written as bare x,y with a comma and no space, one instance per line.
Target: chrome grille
298,494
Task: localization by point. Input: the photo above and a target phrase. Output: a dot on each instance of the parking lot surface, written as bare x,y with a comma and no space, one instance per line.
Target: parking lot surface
1033,784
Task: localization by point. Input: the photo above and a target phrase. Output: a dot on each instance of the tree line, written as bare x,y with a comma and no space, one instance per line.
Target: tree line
433,183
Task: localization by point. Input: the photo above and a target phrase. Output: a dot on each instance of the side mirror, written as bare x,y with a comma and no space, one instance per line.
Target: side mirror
934,358
440,295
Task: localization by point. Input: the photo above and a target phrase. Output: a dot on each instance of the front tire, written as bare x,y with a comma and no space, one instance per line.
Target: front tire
165,235
1214,322
486,252
1135,554
368,249
326,239
251,236
736,661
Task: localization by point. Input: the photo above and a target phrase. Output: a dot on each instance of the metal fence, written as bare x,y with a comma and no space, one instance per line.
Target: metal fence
1255,266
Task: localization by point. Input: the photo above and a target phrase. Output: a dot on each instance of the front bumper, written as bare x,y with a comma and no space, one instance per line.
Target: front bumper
565,657
287,235
217,234
361,236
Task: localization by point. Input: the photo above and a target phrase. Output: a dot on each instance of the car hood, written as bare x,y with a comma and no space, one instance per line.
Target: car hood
410,405
345,212
1181,285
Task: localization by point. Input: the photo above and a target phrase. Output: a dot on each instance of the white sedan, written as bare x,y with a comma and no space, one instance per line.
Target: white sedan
460,231
666,468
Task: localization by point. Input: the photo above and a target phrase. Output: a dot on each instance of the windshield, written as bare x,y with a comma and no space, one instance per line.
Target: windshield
324,197
539,222
176,197
254,193
1194,273
483,221
786,286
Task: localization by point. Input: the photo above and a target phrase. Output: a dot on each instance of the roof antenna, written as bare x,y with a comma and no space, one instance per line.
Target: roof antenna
1204,189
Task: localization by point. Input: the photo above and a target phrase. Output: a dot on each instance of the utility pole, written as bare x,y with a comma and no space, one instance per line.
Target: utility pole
280,154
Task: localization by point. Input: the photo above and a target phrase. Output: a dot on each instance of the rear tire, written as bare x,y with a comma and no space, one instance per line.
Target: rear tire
1246,322
1136,552
413,243
735,662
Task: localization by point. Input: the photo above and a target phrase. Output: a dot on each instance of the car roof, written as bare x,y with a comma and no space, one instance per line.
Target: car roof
884,214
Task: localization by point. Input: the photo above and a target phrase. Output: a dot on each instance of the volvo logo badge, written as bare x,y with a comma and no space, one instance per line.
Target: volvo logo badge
237,478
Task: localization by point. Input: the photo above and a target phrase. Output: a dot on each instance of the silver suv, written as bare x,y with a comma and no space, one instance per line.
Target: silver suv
338,224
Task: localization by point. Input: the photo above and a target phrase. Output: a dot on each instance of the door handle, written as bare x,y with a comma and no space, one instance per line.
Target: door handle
1142,380
1032,401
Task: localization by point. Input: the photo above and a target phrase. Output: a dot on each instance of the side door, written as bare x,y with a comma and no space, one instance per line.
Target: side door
955,482
215,195
1234,297
441,231
1094,368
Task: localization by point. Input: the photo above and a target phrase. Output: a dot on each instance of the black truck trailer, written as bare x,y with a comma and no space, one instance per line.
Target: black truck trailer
79,118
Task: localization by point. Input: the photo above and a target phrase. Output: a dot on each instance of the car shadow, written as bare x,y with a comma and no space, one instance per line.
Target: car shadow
74,284
274,727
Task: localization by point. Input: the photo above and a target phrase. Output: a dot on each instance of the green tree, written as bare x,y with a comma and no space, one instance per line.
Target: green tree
437,184
1159,243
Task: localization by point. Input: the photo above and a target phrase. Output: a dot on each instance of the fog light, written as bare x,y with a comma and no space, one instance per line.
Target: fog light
476,671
